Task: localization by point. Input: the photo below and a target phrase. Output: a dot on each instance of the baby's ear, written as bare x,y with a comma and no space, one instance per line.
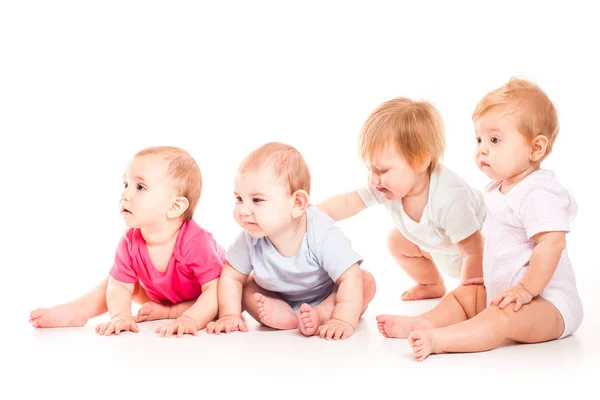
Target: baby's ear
539,146
424,165
301,202
178,207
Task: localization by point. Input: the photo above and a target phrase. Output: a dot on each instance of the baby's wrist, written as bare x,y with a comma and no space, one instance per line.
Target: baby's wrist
525,289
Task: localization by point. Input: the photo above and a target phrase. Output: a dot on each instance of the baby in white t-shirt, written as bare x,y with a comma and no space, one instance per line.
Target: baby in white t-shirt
438,217
528,292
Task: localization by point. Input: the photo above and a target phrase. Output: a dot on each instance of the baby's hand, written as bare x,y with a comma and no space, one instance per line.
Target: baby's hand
335,329
514,294
474,281
181,325
227,324
116,325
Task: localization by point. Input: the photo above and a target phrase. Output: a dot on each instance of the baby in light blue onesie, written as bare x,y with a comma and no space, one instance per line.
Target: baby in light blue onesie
291,267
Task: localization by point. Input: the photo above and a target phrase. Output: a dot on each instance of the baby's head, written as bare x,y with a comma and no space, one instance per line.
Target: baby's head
401,141
515,128
161,184
272,186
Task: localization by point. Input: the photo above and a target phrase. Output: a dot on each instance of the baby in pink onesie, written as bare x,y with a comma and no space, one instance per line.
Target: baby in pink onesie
165,261
528,292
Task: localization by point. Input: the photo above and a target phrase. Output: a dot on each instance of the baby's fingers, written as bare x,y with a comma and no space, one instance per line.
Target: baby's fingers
160,330
210,328
498,298
510,298
518,304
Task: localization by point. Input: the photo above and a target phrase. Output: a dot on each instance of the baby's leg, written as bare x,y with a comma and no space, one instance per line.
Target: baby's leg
418,265
73,313
536,322
310,319
267,307
152,310
459,305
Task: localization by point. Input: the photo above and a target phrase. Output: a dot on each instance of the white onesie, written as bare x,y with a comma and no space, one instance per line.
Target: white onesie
536,204
454,211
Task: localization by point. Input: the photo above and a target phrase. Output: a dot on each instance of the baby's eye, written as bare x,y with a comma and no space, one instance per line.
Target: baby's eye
257,200
140,187
238,199
495,140
478,140
125,185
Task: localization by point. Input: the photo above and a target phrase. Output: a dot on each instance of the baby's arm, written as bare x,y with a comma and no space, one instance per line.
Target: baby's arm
471,250
542,265
118,300
342,206
230,288
197,316
544,260
348,305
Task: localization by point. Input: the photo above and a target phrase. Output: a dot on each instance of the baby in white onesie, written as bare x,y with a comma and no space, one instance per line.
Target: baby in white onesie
437,216
528,292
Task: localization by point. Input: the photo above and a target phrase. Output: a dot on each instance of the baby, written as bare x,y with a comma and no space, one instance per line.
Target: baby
305,274
529,293
437,215
165,261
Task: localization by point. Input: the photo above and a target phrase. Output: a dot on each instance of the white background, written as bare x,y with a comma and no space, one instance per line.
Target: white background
85,85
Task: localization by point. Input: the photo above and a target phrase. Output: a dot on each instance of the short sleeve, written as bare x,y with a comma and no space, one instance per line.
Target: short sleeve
458,217
331,247
238,254
205,258
547,210
369,196
122,269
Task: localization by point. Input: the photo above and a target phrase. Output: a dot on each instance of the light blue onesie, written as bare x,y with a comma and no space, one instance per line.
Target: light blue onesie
307,277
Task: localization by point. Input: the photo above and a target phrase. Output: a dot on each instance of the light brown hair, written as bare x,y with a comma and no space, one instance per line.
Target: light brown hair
286,162
415,128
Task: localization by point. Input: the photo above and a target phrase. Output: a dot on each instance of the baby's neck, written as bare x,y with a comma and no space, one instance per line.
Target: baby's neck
511,182
288,240
421,187
161,234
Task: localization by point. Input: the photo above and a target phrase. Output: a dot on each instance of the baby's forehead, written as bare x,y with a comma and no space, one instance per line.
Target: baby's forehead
263,178
148,166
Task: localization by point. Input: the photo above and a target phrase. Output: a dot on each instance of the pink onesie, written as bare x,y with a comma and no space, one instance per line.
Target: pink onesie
536,204
196,260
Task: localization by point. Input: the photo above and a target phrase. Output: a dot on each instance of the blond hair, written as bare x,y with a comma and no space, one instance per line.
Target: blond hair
532,108
415,128
285,161
183,171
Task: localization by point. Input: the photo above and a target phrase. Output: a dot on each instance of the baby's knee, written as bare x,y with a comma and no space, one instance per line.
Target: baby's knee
398,245
369,285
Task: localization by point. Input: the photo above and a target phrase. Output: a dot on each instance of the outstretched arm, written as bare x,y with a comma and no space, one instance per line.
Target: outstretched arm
342,206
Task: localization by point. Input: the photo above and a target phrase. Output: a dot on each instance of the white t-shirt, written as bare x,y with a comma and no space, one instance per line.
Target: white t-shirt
454,211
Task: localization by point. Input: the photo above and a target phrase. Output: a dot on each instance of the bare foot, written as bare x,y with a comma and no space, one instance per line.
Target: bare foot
396,326
151,311
420,292
308,320
62,315
273,314
421,343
